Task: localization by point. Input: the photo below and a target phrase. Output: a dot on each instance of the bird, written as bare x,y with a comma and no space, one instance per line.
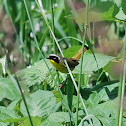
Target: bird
59,64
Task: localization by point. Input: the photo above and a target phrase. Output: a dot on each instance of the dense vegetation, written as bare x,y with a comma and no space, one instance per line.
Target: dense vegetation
93,93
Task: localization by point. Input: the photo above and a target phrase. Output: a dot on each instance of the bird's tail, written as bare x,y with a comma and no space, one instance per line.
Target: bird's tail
79,53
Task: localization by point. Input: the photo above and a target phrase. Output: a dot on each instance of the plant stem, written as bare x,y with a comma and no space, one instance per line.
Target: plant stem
53,28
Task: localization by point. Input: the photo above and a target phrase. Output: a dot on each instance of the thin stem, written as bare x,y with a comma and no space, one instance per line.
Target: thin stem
69,37
25,103
53,28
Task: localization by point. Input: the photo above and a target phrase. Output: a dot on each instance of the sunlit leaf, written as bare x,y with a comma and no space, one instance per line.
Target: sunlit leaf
50,123
123,4
121,15
34,74
95,121
8,90
57,119
7,114
89,63
4,124
70,52
36,121
40,103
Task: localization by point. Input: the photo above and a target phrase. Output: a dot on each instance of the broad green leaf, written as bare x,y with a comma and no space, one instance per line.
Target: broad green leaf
34,74
106,121
102,111
13,104
50,123
89,63
96,122
124,122
123,4
36,121
4,124
8,90
103,95
121,15
57,119
108,92
57,95
94,98
106,110
38,73
70,52
49,80
40,103
6,113
104,115
14,120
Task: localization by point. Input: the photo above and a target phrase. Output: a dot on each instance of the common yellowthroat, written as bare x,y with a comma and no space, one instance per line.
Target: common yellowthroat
58,61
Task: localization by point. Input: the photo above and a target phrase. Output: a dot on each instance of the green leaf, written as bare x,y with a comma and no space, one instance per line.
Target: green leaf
108,92
50,123
121,15
106,121
93,99
70,52
124,122
34,74
96,122
123,4
13,104
110,108
4,124
36,121
40,103
103,95
89,63
57,95
8,90
6,113
57,118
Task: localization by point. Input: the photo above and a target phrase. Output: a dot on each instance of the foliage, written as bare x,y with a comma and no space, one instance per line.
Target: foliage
30,93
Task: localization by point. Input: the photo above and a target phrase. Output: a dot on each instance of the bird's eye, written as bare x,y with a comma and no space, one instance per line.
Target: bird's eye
56,59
